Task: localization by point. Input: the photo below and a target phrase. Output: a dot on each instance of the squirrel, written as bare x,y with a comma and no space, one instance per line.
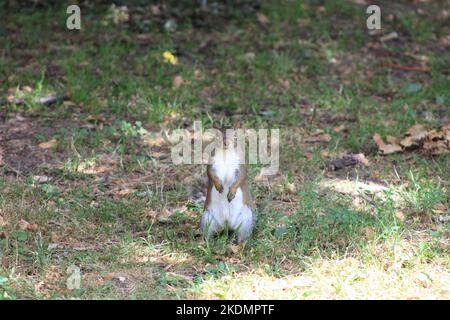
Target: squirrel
228,200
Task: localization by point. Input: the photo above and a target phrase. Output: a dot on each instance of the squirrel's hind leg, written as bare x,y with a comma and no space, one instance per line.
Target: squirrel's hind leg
209,225
243,225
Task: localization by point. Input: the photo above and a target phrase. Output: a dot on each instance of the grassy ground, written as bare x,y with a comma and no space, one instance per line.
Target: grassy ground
102,194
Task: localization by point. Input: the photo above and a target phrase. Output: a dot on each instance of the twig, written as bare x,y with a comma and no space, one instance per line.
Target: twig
406,68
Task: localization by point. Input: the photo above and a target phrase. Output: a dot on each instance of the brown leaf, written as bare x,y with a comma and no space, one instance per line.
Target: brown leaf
417,131
124,192
26,226
155,10
385,148
400,215
285,83
47,145
262,19
177,81
407,142
95,118
340,128
414,135
392,140
324,153
23,224
197,74
153,140
438,142
439,208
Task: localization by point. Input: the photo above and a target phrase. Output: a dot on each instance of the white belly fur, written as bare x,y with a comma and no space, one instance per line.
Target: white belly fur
225,166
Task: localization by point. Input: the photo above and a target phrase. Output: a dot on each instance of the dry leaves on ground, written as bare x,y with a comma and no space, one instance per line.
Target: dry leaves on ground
26,226
431,141
386,148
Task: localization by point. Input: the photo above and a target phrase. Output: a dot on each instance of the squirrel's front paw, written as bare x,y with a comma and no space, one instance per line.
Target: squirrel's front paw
231,194
219,188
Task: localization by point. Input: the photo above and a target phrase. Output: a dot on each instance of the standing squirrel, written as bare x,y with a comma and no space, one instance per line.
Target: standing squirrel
228,200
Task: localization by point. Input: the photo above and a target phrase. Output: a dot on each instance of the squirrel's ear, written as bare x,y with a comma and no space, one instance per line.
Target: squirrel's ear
238,125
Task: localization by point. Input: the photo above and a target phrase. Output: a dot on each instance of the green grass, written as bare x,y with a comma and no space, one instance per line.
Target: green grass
116,207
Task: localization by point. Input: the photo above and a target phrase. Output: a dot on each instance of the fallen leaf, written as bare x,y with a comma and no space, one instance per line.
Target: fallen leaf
324,153
385,148
400,215
153,139
340,128
124,192
101,169
47,145
197,74
437,142
177,81
285,83
391,139
95,118
408,142
439,208
156,11
23,224
417,131
262,19
424,280
26,226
